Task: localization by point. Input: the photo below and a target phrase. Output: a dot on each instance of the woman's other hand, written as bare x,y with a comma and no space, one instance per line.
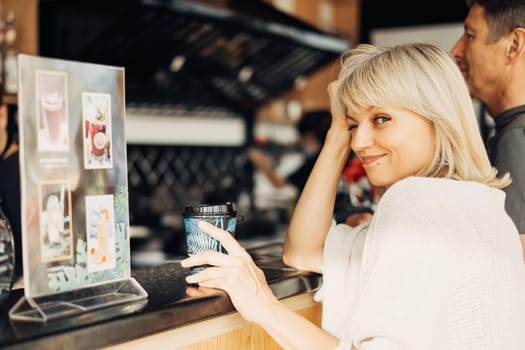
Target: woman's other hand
235,273
339,120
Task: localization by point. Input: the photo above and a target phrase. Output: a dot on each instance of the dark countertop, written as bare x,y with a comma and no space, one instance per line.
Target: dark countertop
171,303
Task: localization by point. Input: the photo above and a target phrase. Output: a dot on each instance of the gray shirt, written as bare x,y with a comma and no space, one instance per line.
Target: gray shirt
507,153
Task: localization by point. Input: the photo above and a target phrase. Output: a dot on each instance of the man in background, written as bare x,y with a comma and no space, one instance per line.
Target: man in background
312,129
491,56
10,180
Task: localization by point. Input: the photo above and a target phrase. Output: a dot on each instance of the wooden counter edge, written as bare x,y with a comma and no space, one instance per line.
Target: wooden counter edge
194,332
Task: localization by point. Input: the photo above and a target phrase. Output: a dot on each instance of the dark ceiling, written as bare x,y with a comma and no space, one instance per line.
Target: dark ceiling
401,13
181,52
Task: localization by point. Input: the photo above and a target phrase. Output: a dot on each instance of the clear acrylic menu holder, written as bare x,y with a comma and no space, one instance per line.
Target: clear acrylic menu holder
74,191
74,302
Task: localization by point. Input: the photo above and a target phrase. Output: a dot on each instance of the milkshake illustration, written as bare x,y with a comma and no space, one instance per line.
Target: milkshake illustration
53,107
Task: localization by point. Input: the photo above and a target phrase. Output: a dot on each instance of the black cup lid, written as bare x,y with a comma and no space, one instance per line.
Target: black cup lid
227,208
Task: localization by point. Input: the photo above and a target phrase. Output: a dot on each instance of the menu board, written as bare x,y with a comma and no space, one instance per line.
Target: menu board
75,217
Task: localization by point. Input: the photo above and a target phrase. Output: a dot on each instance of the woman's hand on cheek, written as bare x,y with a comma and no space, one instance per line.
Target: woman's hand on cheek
339,128
339,119
235,273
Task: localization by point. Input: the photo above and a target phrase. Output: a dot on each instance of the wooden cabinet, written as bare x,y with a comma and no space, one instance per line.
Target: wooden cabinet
26,24
229,331
339,16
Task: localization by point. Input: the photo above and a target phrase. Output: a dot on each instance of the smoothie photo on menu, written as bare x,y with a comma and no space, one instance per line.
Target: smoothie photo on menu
96,112
52,117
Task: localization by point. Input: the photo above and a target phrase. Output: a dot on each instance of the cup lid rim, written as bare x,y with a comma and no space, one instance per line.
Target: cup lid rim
227,208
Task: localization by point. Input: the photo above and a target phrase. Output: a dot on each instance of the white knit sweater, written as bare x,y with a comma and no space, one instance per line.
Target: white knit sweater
439,267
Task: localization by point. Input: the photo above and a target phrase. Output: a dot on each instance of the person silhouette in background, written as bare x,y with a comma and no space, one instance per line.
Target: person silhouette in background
10,180
491,56
312,129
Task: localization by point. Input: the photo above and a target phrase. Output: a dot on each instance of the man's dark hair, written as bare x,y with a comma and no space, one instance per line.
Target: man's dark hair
503,16
316,122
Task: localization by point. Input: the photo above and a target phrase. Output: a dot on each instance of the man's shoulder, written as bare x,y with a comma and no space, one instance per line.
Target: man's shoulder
512,135
518,121
514,119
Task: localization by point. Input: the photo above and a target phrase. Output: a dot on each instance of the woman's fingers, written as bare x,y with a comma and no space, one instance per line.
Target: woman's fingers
210,258
227,240
339,120
233,260
332,94
234,273
229,278
332,88
206,275
226,278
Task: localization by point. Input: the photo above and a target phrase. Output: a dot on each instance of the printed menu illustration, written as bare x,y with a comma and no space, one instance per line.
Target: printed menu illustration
75,217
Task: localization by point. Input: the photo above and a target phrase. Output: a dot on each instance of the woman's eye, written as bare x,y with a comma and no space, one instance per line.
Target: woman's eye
381,119
352,127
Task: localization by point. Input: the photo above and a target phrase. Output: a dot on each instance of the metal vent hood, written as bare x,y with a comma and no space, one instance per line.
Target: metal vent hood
187,53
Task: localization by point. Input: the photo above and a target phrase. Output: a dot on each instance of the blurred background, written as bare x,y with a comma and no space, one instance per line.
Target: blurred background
207,80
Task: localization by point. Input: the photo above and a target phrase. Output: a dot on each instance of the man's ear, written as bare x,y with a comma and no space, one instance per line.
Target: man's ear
516,48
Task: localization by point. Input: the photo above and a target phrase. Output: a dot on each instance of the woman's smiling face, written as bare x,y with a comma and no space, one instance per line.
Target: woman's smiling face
392,143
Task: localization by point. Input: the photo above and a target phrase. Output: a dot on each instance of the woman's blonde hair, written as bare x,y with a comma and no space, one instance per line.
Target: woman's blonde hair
425,80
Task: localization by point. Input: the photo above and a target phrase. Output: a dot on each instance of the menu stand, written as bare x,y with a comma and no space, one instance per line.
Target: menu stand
74,190
74,302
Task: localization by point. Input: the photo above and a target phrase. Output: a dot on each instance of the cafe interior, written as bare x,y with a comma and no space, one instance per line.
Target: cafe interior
204,81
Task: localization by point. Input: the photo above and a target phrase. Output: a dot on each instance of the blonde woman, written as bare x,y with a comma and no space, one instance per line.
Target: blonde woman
439,266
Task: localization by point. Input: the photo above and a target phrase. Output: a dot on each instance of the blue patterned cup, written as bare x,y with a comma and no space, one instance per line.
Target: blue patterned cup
223,216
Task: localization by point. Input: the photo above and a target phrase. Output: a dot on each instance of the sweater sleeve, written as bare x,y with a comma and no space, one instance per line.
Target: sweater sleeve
341,263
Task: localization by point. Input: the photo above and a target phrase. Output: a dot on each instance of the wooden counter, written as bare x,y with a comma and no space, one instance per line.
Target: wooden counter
229,331
175,315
